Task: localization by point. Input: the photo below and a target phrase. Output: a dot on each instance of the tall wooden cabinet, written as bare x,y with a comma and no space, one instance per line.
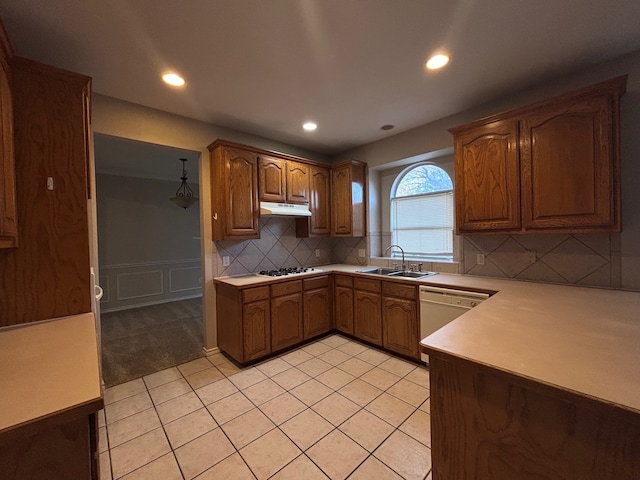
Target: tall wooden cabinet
8,212
48,275
348,212
234,196
551,166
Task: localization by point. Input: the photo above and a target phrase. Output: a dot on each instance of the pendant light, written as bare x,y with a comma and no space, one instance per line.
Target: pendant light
184,195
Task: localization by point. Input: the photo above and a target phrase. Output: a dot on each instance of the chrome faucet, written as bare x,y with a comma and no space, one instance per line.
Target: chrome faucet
404,265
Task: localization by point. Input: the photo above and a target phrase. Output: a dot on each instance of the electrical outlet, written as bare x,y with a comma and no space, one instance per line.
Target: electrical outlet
479,258
362,253
531,257
317,253
225,261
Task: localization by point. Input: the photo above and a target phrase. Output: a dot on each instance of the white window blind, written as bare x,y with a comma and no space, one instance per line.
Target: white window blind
423,224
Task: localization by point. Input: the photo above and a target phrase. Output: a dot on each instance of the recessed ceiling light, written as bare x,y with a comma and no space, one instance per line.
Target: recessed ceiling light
388,126
173,79
310,126
437,61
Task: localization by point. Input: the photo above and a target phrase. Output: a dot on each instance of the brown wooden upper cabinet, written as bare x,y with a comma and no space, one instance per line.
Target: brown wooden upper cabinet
272,184
234,195
283,181
319,224
297,183
348,211
551,166
8,213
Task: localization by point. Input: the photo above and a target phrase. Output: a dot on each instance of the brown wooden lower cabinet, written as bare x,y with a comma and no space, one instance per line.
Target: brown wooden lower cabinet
488,424
367,318
344,309
256,326
400,326
286,315
317,306
254,322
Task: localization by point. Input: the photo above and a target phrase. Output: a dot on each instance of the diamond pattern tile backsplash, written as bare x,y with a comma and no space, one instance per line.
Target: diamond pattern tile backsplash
579,259
278,247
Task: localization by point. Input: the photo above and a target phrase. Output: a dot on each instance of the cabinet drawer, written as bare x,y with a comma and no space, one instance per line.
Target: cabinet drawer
399,290
253,294
367,284
318,282
344,281
280,289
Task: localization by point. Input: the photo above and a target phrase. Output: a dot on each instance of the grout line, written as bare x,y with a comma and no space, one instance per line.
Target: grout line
307,407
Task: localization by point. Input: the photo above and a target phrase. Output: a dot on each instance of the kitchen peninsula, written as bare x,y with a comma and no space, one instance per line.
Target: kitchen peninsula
51,395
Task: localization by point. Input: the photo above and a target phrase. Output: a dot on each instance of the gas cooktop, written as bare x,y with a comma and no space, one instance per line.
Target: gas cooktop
282,272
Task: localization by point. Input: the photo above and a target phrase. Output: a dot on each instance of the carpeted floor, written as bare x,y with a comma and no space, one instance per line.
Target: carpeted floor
145,340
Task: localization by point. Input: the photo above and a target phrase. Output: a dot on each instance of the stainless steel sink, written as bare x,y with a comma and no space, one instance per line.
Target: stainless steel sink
411,274
390,272
380,271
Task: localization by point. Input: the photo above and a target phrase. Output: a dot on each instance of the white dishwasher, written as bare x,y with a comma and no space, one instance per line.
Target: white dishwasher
439,306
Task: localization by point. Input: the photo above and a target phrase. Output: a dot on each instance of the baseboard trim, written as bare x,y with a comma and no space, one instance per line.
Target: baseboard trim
148,304
208,352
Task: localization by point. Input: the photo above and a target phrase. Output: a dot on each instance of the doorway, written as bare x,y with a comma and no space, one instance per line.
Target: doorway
149,258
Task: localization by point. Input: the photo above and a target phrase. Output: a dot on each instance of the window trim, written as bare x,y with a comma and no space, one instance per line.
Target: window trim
393,195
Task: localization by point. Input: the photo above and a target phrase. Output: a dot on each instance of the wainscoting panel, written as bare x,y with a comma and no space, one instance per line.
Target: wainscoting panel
142,284
185,279
139,284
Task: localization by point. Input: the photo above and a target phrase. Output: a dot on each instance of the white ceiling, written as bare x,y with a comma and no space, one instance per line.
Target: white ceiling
266,66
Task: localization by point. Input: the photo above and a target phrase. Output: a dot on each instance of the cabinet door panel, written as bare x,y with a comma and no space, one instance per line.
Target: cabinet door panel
286,321
297,182
487,178
567,173
256,327
242,209
344,309
367,322
320,201
400,326
273,179
341,218
317,312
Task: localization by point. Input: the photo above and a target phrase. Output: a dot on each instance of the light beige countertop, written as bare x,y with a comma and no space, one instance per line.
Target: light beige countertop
48,370
580,339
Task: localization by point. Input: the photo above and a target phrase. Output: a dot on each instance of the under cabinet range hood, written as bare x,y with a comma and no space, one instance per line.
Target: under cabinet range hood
284,209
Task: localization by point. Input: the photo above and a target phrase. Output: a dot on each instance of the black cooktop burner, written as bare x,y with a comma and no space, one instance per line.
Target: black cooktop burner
286,271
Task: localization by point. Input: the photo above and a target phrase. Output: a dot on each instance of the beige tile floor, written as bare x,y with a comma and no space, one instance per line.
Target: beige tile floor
334,408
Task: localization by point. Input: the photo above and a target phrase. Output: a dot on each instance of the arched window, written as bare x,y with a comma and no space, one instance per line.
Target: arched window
422,211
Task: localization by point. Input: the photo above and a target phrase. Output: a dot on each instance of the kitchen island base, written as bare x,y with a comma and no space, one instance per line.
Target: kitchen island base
489,424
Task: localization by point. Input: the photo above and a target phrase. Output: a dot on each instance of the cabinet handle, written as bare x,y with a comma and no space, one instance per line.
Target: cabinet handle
215,216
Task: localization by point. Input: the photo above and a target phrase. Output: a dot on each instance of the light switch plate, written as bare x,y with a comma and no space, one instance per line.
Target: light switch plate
531,257
479,258
225,261
317,253
362,252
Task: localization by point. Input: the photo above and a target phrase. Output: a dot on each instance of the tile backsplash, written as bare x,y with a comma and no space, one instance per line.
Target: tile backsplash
579,259
279,247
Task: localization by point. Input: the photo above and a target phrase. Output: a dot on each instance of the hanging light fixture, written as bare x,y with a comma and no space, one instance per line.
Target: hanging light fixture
184,195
